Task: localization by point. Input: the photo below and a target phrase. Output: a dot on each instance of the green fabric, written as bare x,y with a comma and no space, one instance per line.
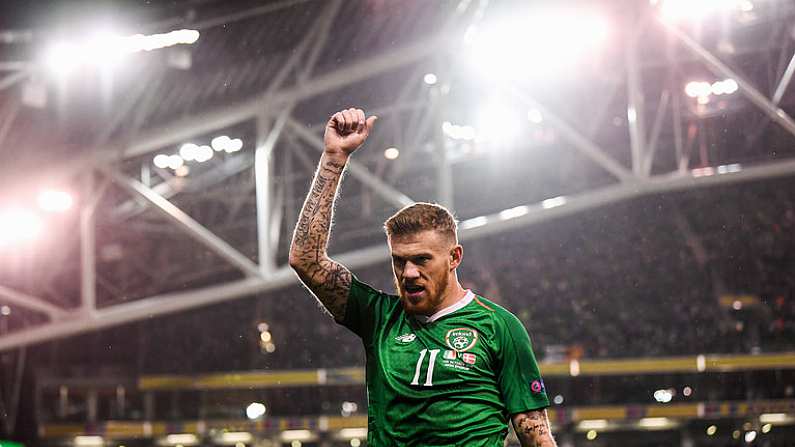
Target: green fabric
460,403
10,444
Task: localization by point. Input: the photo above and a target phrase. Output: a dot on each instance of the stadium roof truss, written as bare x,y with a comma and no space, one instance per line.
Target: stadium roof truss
272,111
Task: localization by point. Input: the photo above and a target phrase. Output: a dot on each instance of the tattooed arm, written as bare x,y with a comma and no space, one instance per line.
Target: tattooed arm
328,280
532,429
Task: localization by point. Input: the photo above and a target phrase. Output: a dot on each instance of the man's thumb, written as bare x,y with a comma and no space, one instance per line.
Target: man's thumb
371,121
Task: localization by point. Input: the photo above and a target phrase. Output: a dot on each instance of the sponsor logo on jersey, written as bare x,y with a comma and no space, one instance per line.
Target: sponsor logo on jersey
406,338
449,355
461,339
537,386
468,358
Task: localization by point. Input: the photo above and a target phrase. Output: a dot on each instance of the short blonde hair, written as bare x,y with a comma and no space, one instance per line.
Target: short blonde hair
422,216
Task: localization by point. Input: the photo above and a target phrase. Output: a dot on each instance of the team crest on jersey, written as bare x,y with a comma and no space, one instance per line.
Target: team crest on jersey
406,338
461,339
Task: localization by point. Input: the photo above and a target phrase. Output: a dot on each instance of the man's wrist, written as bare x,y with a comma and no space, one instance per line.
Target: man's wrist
337,157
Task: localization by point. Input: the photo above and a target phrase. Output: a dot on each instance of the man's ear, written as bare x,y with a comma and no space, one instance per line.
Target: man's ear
456,256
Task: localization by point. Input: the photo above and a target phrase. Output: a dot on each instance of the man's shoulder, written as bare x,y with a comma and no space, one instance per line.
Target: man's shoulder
489,307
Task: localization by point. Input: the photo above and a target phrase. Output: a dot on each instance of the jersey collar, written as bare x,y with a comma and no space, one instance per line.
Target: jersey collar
447,310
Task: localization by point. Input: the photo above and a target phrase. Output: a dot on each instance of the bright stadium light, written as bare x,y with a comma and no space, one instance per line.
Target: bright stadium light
391,153
234,145
663,396
536,43
175,161
220,143
679,10
104,49
161,161
54,201
189,151
19,225
255,410
498,123
430,79
204,153
750,436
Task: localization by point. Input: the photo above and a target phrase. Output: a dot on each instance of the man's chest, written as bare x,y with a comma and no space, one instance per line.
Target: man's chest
442,355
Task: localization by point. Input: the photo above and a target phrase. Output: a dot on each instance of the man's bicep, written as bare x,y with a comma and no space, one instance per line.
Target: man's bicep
330,282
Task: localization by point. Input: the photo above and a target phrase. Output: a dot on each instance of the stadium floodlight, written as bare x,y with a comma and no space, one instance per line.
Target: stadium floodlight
189,151
695,89
104,49
750,436
19,225
235,437
430,79
220,143
474,222
296,435
514,212
182,171
54,201
175,161
204,153
182,438
89,441
711,430
534,43
774,418
498,123
391,153
457,132
766,428
553,202
592,424
161,161
679,10
234,145
351,433
663,396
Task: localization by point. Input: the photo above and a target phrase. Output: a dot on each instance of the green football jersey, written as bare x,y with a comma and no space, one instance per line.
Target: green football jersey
450,380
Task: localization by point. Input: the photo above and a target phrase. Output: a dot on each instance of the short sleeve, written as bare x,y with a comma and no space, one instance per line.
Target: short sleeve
519,378
364,309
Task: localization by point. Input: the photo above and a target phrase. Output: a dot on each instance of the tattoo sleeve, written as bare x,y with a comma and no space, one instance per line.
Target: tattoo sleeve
532,429
328,280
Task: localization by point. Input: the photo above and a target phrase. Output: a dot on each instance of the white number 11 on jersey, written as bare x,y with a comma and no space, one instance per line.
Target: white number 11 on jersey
429,374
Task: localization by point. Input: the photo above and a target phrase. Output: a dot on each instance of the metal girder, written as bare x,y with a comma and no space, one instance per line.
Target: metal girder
746,88
784,82
88,265
636,114
184,300
583,144
386,191
31,302
12,79
232,114
654,138
192,228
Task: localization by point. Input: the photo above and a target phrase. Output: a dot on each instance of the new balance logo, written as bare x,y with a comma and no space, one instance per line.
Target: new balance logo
406,338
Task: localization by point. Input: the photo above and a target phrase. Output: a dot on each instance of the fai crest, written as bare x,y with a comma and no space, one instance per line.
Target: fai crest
461,339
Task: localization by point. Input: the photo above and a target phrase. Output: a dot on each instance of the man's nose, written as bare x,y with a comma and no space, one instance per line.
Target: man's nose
411,271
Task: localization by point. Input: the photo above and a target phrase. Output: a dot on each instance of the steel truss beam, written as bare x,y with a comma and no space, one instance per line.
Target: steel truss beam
746,87
31,302
193,228
356,169
181,301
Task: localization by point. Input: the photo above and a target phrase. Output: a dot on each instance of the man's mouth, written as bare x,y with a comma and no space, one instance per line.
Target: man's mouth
413,290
